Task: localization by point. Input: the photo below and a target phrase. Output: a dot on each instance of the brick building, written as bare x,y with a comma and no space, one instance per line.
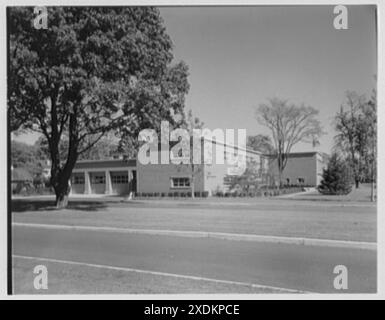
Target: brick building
120,177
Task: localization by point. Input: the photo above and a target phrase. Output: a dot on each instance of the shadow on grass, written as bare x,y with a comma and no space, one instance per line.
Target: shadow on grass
22,205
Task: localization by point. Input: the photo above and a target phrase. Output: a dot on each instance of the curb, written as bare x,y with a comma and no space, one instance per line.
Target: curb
214,235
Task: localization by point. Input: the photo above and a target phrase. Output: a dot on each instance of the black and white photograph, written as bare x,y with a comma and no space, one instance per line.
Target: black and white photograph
192,150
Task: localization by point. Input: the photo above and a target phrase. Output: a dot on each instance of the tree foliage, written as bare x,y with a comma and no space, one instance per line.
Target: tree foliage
336,178
356,126
261,143
255,173
26,157
95,69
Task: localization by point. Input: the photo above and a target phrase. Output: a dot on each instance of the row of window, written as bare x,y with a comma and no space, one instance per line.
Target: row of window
78,179
101,179
180,182
119,179
98,179
299,180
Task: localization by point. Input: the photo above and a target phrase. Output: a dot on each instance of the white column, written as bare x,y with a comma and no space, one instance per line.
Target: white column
130,183
87,183
70,186
108,183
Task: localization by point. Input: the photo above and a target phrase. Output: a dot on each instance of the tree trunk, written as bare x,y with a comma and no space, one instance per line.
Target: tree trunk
372,192
279,178
357,183
62,191
61,201
372,198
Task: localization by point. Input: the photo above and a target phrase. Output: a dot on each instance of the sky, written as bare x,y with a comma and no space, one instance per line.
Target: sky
238,57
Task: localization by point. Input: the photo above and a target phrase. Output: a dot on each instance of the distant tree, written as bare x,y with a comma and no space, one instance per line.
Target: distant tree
356,126
105,148
261,143
289,124
250,178
43,151
94,70
370,112
25,156
336,178
253,175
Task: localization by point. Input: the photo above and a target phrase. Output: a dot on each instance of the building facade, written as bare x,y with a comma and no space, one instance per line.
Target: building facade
121,177
110,177
302,168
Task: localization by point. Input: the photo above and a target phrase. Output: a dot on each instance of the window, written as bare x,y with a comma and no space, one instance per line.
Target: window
98,179
78,179
180,182
119,178
301,180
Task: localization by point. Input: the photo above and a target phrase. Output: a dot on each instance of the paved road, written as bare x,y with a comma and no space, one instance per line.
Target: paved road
281,265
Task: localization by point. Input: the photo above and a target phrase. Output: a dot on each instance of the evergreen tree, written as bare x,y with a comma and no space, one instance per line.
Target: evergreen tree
336,178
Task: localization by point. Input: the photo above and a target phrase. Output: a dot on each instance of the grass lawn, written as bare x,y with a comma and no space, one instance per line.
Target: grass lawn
362,194
281,217
75,279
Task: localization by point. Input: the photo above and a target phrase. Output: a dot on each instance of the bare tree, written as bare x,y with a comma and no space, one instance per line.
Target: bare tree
289,124
371,119
355,124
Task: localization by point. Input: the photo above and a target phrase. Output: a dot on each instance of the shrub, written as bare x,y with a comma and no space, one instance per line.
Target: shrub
336,178
197,194
170,194
205,194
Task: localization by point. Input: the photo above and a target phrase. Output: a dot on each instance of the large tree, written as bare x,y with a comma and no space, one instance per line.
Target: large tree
356,126
370,116
289,124
93,70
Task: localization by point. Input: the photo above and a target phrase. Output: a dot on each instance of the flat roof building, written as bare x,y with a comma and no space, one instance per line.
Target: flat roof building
121,177
302,168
